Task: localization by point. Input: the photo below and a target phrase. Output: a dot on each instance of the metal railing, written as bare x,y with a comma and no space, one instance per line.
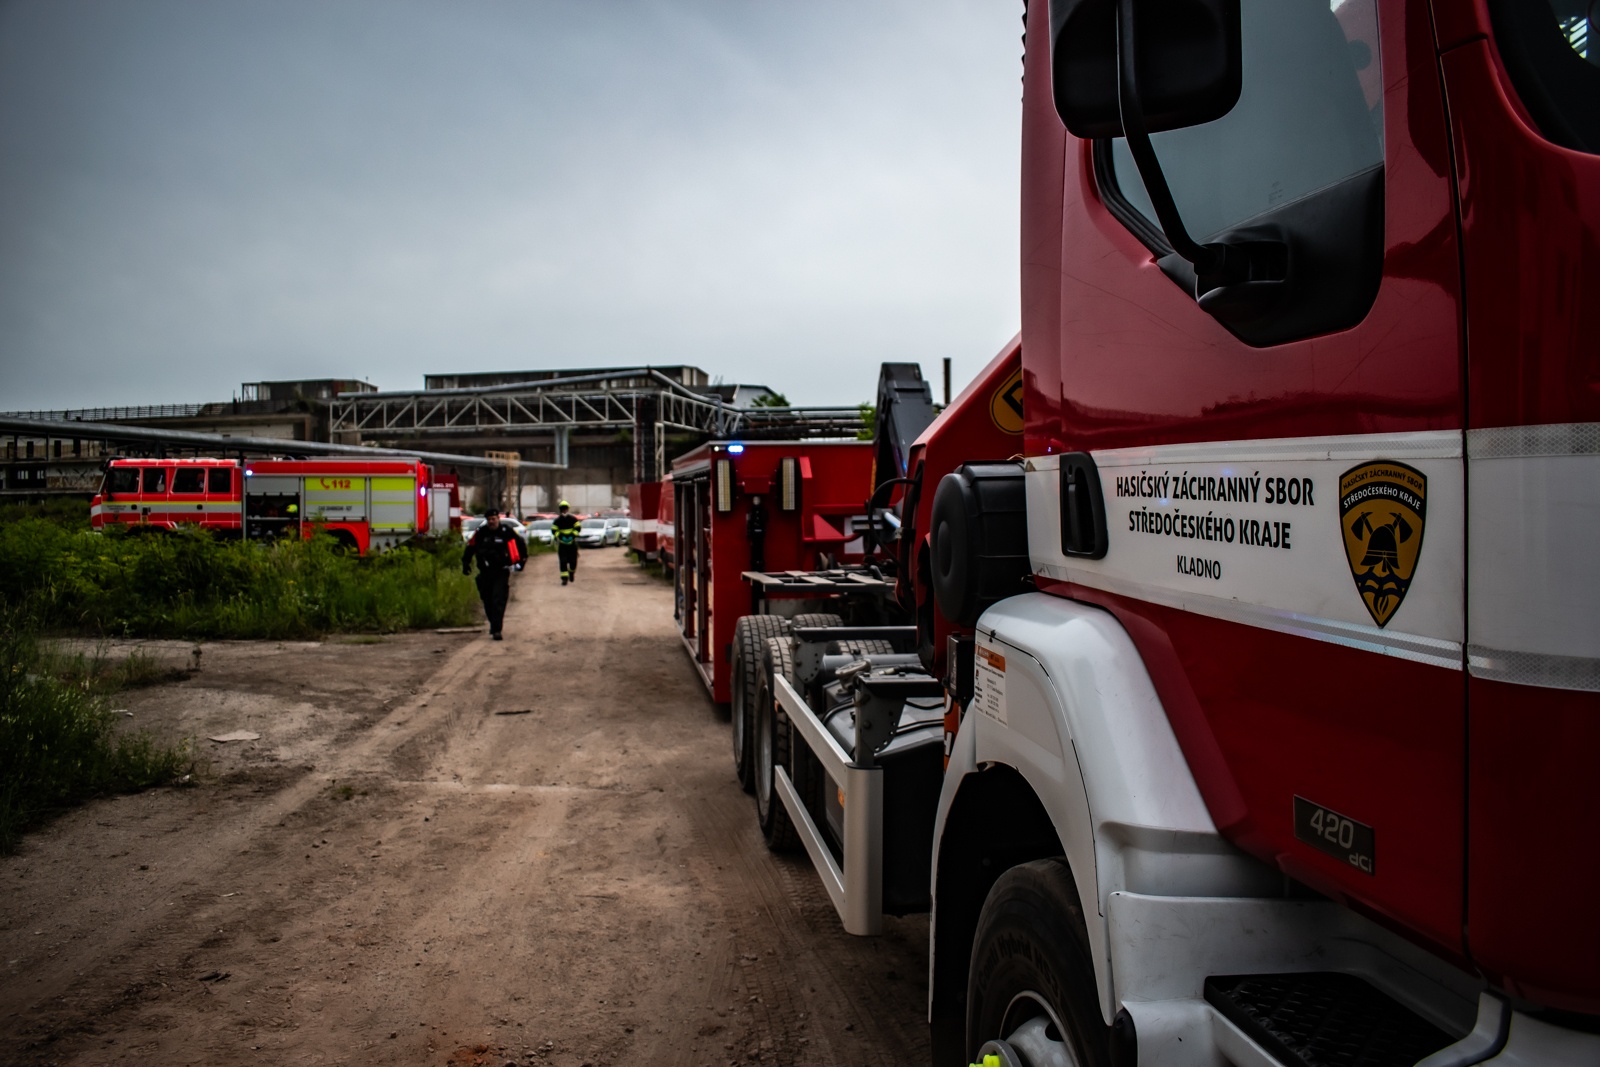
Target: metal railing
148,411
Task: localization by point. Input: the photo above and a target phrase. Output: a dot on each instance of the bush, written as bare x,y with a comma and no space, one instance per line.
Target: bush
190,584
58,740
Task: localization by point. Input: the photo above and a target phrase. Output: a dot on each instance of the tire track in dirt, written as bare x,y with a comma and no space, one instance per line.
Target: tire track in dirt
881,1015
582,883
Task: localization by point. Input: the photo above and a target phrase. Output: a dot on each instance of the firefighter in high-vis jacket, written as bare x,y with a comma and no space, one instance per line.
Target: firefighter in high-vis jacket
564,532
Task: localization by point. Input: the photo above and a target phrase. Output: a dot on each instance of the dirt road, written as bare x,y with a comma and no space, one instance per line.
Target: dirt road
443,850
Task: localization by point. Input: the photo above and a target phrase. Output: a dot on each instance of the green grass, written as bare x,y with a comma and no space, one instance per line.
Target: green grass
189,584
653,567
97,672
58,740
69,510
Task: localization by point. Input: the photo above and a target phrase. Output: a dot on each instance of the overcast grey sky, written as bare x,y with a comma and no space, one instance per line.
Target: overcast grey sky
195,194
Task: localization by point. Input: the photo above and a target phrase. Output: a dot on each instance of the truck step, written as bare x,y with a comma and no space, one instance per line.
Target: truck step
1324,1019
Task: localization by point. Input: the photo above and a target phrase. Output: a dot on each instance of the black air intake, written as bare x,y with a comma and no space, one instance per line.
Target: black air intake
979,539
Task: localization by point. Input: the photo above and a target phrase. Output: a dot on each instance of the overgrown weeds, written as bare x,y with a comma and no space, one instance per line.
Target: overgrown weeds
58,739
190,584
97,671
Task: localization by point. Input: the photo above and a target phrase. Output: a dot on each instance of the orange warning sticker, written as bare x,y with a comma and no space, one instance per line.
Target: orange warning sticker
989,683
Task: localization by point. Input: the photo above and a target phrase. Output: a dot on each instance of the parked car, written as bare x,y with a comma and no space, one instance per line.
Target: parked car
616,531
592,533
539,531
470,526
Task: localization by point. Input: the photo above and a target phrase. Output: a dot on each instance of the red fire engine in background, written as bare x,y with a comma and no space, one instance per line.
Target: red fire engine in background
366,504
644,517
1270,671
758,506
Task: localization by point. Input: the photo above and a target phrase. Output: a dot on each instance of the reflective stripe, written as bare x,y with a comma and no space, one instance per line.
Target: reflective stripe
1533,571
1177,518
408,486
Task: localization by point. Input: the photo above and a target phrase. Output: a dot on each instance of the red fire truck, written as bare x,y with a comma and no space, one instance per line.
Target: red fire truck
666,524
758,506
644,516
1271,680
366,504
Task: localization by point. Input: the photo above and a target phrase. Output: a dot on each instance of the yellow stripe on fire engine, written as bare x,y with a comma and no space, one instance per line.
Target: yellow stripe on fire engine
394,485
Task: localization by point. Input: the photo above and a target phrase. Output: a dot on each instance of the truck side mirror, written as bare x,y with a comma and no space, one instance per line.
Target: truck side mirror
1130,68
1188,63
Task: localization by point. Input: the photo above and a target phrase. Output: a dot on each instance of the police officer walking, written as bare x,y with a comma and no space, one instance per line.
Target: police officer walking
564,532
498,550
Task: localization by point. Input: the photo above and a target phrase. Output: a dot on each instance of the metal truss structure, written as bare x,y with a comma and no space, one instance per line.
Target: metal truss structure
641,399
578,402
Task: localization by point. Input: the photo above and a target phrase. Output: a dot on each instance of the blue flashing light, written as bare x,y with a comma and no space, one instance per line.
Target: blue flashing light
248,473
736,448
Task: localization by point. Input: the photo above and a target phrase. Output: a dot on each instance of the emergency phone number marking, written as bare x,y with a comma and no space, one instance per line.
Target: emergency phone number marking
333,483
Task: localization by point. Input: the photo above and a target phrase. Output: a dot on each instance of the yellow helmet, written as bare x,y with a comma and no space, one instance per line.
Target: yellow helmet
564,504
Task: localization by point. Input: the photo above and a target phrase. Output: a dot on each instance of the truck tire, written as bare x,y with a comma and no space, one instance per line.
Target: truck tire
817,618
750,636
1031,984
772,749
872,646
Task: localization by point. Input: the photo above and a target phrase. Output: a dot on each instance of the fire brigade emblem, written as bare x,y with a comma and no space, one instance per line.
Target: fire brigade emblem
1382,508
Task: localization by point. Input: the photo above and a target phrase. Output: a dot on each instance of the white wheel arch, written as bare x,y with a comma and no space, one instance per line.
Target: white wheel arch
1084,729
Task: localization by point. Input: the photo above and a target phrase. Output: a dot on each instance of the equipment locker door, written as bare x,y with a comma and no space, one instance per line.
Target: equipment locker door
1280,465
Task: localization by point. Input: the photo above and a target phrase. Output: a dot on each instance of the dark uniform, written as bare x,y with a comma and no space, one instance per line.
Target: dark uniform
564,532
498,550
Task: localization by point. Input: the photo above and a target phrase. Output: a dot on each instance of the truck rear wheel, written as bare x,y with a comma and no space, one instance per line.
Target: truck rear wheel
772,748
1031,989
750,636
818,618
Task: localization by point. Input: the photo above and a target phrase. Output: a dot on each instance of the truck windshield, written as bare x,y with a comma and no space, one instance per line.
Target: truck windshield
1547,48
122,480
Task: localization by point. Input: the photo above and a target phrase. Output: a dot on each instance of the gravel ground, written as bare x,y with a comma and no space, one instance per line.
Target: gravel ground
443,850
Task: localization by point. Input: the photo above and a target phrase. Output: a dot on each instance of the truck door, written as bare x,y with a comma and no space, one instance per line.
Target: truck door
1524,96
153,487
1279,454
188,494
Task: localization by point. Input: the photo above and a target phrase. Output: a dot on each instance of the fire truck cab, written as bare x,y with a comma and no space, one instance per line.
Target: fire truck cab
1286,758
1277,747
367,505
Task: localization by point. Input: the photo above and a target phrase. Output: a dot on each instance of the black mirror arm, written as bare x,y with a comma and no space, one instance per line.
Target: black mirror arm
1207,259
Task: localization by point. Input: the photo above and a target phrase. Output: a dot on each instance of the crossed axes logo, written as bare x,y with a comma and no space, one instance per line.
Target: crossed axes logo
1382,511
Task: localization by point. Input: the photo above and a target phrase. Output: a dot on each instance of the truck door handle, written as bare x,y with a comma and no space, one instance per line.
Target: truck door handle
1083,509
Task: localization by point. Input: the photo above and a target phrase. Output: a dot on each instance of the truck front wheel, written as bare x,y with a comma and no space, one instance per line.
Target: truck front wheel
1031,993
